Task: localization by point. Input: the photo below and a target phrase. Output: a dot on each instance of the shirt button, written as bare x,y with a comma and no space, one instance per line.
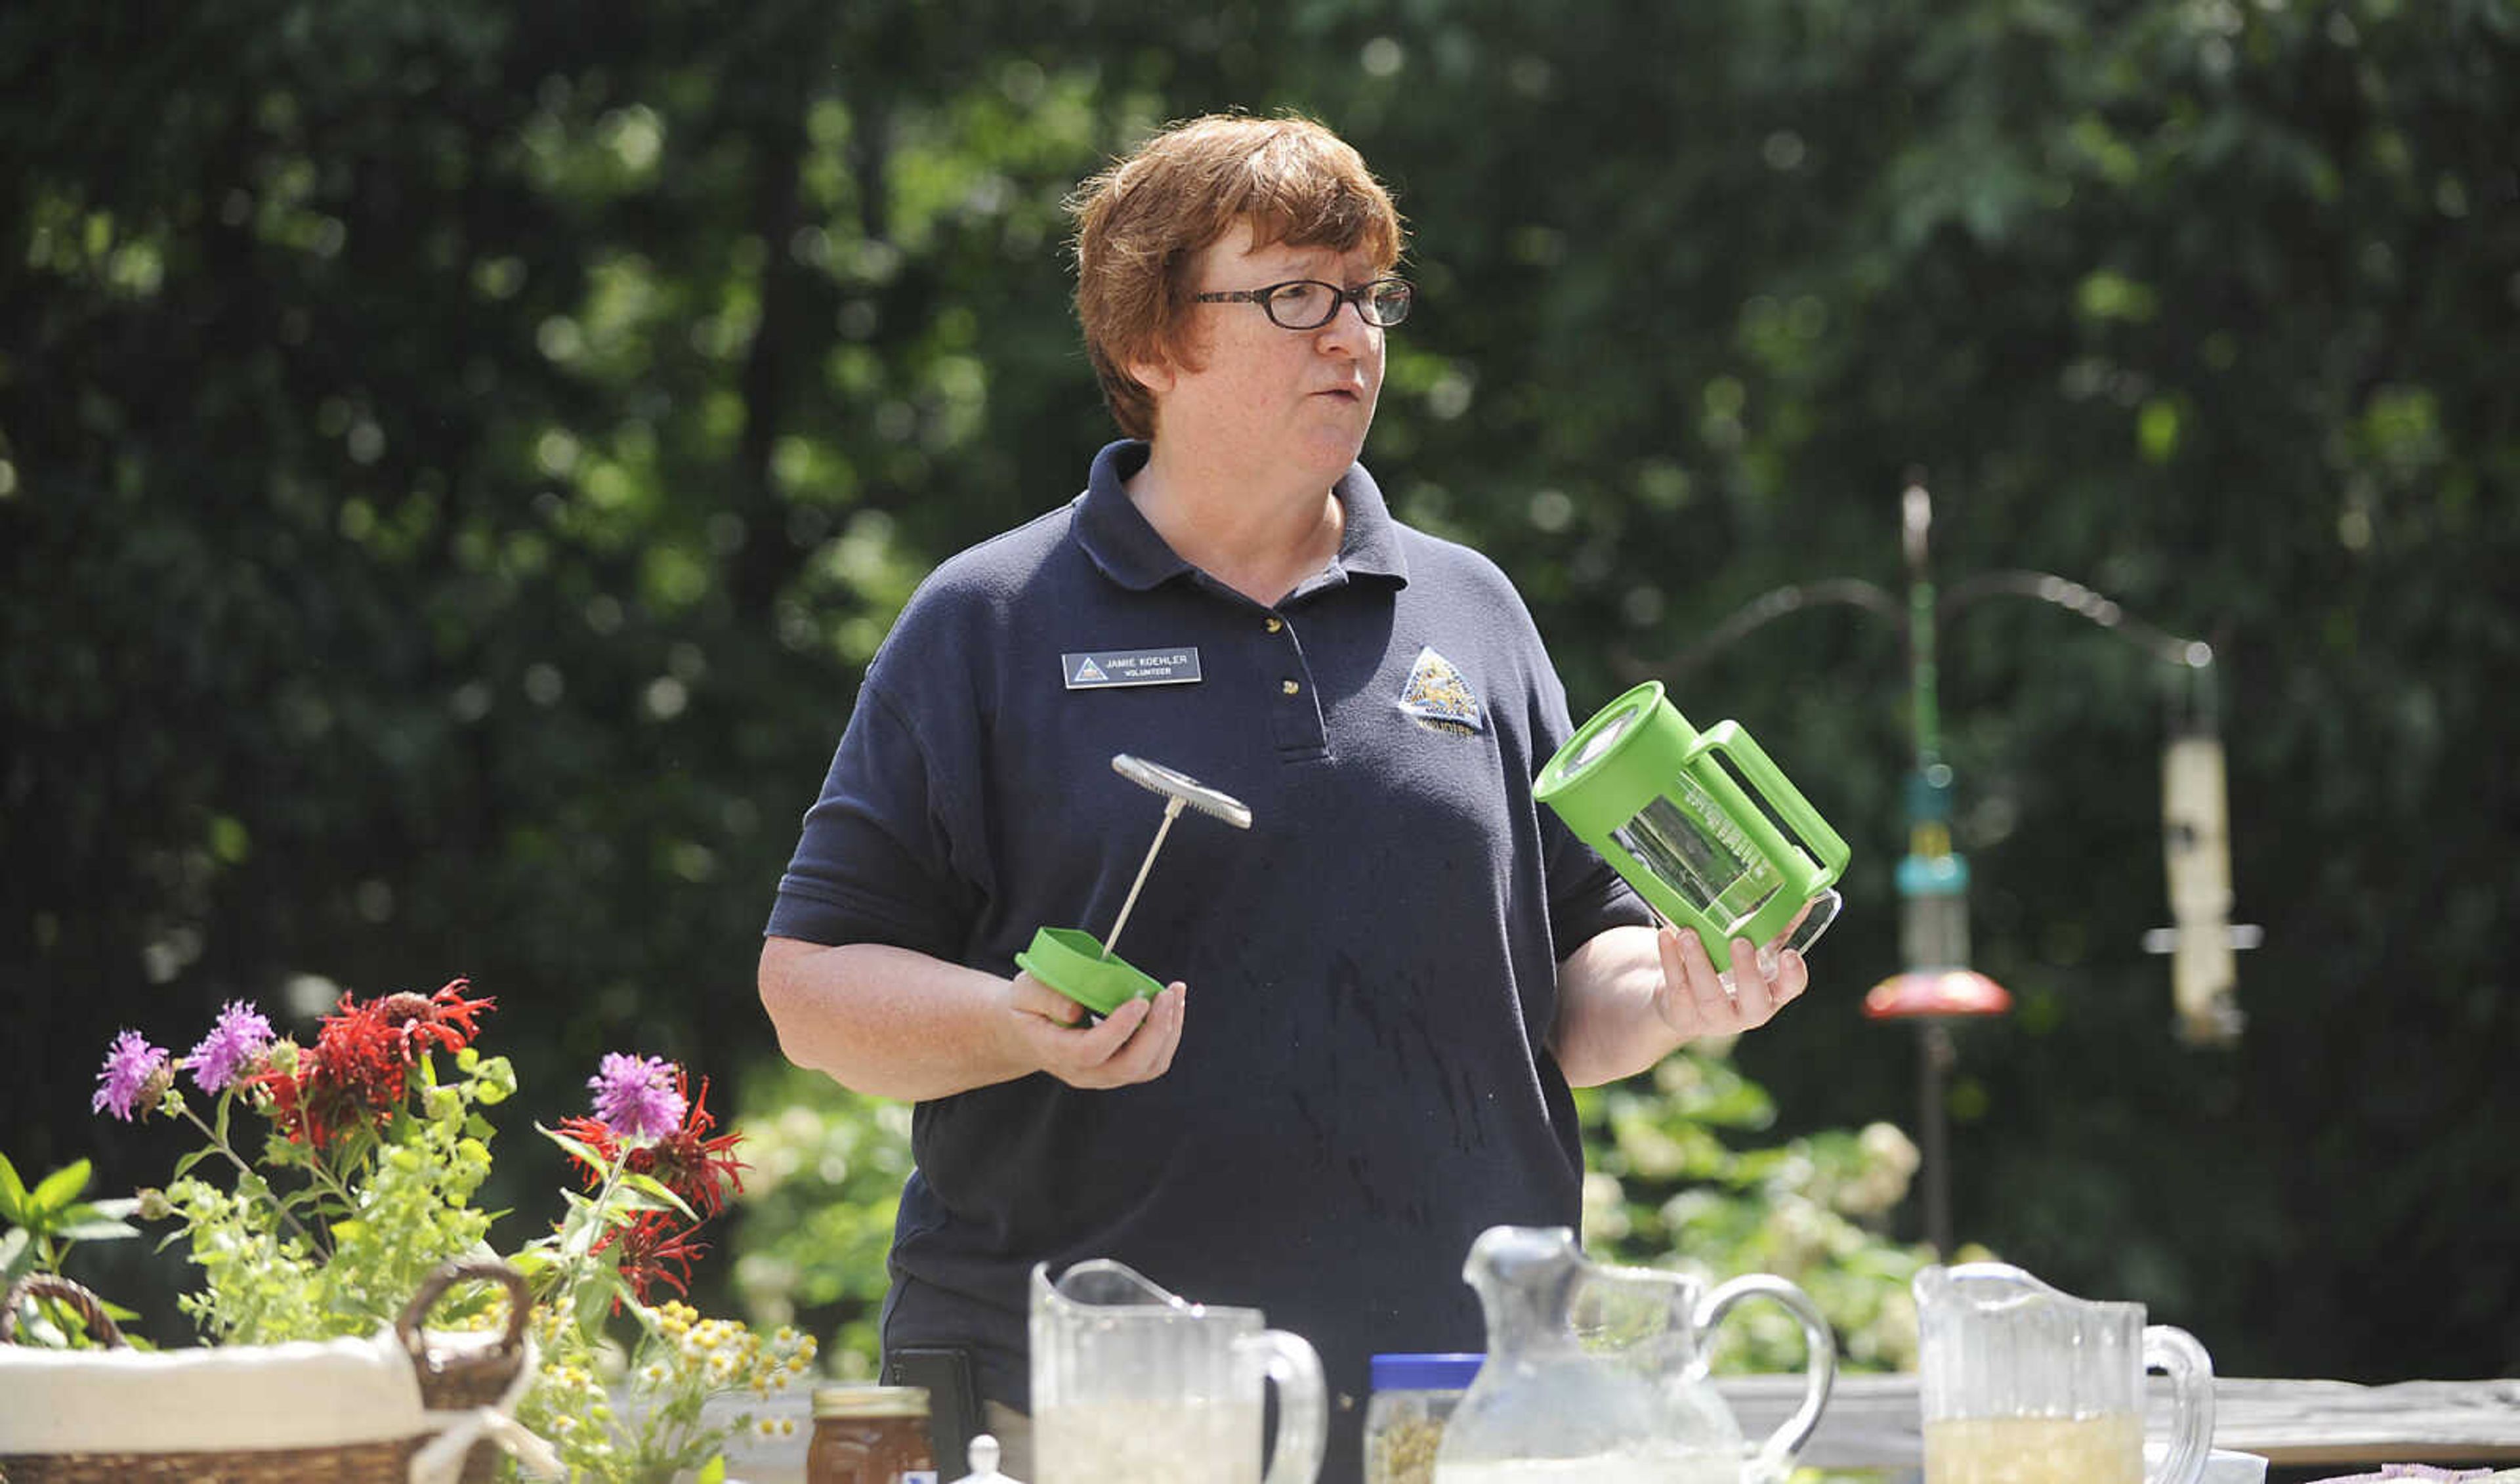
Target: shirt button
1275,623
1288,686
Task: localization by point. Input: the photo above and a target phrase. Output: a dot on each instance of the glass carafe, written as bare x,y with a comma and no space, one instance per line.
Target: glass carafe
2022,1384
1660,801
1597,1374
1132,1384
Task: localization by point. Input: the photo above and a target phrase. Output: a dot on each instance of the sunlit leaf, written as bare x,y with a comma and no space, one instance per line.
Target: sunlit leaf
584,1153
652,1195
55,1192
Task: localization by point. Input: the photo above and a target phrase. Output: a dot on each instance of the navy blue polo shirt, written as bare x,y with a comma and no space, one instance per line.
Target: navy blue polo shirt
1360,1086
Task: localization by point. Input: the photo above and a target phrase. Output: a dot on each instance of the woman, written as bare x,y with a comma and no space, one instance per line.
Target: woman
1401,967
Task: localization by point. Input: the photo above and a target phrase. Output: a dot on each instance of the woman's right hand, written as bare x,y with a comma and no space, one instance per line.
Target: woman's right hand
1133,1044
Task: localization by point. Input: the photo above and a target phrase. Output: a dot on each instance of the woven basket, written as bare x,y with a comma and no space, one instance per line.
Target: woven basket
463,1371
271,1399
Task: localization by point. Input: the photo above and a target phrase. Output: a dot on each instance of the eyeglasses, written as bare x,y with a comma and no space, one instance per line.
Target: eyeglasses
1308,303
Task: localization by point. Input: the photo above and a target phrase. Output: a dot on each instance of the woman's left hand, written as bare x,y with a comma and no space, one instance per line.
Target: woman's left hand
1693,999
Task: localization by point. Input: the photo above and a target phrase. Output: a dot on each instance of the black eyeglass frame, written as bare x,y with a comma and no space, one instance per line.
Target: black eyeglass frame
1362,295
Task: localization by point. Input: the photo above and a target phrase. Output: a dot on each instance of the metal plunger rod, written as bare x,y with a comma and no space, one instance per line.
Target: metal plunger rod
1172,811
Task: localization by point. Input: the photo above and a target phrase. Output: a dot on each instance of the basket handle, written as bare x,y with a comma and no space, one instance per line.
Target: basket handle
100,1325
446,1275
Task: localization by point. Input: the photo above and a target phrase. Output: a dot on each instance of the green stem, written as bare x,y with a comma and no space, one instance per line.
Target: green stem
251,1177
323,1175
580,1263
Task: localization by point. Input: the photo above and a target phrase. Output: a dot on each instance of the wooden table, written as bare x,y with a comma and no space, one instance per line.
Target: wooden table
1873,1422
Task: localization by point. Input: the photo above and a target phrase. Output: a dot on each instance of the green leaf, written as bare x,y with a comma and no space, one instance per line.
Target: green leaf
59,1188
16,1254
577,1235
658,1196
12,1193
2157,430
98,1229
593,1298
494,1081
582,1152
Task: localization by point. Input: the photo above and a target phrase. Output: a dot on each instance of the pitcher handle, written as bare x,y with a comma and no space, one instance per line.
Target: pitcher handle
1778,790
2191,1393
1303,1419
1775,1455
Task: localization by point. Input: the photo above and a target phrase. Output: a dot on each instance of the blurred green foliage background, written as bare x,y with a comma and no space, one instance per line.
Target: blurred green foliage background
456,460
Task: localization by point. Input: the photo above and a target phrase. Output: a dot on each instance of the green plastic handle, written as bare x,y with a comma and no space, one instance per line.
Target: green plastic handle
1778,791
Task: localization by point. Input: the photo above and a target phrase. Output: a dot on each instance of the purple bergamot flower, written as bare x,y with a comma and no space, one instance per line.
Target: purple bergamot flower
134,1077
232,1047
637,1097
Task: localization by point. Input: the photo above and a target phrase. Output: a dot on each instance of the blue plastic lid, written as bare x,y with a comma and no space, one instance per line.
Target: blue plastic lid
1424,1372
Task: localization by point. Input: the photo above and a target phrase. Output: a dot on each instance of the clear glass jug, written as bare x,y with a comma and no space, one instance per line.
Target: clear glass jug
2022,1384
1135,1385
1660,801
1597,1374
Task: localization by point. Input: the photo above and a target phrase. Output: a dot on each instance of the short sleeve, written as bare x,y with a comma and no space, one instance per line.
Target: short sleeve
876,859
1585,897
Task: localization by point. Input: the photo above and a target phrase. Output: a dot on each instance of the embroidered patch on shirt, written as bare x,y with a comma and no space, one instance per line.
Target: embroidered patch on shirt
1438,697
1095,669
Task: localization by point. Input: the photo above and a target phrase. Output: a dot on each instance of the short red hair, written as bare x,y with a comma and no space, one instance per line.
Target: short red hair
1141,222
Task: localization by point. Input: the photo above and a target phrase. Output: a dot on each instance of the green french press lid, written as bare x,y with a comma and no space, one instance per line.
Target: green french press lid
1624,754
1072,962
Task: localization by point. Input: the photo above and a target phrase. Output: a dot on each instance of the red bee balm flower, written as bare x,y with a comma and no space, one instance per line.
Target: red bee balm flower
356,1073
688,1162
628,1134
647,1245
442,1022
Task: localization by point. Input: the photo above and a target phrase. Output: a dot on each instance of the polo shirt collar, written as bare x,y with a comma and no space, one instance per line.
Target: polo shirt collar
1121,542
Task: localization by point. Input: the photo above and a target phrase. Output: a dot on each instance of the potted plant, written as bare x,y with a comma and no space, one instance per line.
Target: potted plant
333,1179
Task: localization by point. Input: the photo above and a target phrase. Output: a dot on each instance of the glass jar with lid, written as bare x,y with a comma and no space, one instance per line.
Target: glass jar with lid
1413,1396
866,1434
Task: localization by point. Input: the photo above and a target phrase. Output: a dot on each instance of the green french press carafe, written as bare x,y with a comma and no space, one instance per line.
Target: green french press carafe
1656,798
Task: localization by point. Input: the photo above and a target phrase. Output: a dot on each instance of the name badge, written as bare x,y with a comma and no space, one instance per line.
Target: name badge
1099,668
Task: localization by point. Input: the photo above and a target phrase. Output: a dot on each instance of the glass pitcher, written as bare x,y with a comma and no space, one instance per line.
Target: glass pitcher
2022,1384
1135,1385
1597,1374
1654,796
